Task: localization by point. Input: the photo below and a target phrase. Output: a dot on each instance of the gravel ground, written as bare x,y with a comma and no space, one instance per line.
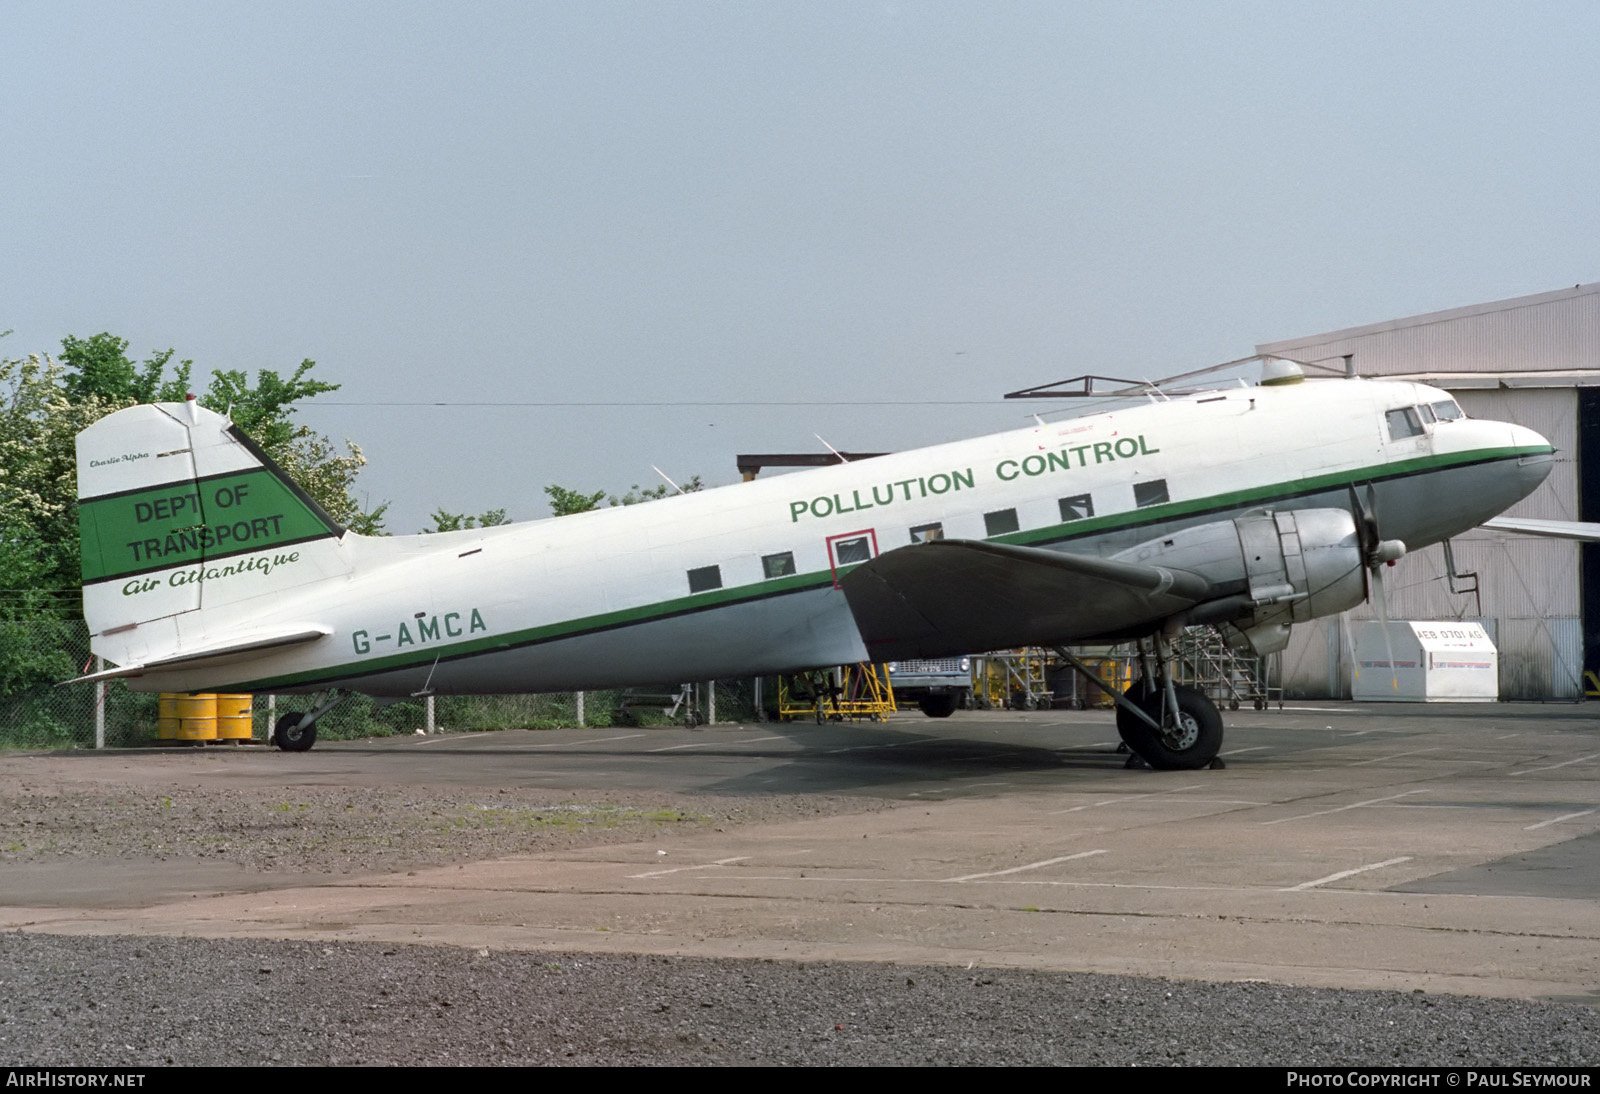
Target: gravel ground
117,1001
124,1001
347,830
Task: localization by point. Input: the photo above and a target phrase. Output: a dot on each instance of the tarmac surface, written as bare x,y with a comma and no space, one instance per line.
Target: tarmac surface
1450,850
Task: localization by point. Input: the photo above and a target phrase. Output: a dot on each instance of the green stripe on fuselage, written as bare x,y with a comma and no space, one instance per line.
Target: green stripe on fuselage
187,522
1276,492
571,628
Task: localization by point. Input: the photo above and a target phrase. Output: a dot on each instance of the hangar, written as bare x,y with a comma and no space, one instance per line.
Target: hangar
1534,360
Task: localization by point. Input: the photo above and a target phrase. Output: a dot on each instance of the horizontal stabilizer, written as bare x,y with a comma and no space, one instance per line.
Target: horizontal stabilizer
962,596
1550,529
199,657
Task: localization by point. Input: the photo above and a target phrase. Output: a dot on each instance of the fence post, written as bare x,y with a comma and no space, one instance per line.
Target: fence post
272,715
430,715
99,705
578,700
711,701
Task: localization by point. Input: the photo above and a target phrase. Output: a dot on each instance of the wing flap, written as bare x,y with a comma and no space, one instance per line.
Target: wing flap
963,596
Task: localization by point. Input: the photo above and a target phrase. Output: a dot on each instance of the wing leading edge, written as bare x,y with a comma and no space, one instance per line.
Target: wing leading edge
958,596
1550,529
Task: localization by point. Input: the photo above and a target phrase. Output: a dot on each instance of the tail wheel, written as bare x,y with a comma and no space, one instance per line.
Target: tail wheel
938,706
1185,743
291,736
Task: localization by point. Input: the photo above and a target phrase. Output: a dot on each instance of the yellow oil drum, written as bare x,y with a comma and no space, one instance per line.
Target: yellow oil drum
234,721
197,717
167,717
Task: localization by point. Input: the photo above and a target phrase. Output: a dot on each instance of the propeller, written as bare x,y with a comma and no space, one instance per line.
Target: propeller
1376,552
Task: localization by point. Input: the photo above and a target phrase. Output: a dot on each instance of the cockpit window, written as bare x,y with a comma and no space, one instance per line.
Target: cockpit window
1426,413
1403,423
1446,410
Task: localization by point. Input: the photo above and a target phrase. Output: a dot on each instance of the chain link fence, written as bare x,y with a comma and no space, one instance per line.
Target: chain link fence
43,715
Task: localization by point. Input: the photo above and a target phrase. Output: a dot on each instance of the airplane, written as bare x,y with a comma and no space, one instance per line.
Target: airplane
1251,509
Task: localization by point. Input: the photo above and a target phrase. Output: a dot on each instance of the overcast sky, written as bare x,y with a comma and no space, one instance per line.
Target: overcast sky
812,207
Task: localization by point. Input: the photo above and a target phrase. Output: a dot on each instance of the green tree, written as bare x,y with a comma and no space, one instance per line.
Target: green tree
455,522
39,605
100,366
36,620
564,502
38,468
636,494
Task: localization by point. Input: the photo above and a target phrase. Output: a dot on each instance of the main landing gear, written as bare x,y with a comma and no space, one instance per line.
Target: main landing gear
1169,726
298,732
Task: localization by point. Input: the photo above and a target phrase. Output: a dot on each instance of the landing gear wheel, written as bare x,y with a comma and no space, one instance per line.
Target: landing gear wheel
290,736
938,706
1138,693
1190,744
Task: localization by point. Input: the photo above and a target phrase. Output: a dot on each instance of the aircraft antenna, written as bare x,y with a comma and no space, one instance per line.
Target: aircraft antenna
830,448
427,685
670,483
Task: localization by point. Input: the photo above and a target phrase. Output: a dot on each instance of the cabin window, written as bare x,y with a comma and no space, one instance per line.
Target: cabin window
922,533
1150,493
1403,423
779,565
1446,410
704,579
854,549
998,524
850,548
1077,507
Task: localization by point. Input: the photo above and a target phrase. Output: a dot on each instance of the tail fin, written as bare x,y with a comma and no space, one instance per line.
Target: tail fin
180,514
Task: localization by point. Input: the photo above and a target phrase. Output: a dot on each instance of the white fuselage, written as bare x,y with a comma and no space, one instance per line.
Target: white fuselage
742,580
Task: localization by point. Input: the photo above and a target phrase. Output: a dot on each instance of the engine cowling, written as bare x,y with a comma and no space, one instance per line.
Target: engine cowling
1268,570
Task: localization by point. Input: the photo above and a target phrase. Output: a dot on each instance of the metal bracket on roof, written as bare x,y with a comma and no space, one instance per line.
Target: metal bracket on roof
1086,388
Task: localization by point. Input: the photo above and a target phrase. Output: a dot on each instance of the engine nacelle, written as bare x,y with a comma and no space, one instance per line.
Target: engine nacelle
1267,571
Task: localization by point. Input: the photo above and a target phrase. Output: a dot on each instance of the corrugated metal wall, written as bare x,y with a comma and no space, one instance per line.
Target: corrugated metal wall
1530,593
1559,330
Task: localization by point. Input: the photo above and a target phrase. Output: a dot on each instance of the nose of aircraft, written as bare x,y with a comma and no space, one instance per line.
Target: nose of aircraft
1538,456
1523,437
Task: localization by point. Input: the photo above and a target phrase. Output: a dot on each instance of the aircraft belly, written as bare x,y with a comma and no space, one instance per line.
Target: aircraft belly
798,630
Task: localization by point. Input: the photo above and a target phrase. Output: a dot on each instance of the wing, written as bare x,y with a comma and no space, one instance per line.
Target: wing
1552,529
961,596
